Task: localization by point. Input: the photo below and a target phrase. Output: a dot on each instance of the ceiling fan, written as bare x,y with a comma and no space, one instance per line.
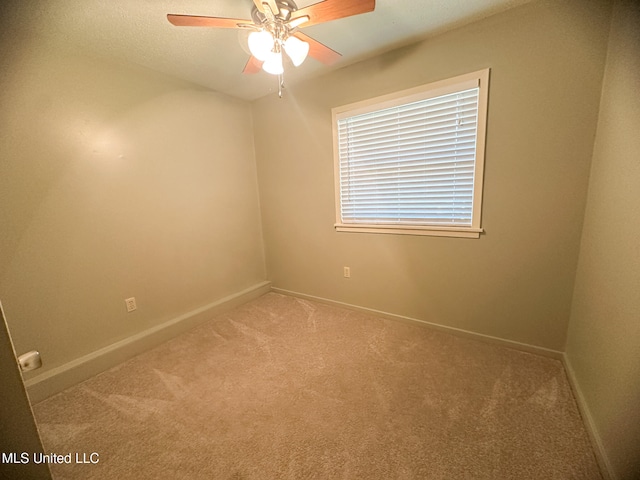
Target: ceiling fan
275,27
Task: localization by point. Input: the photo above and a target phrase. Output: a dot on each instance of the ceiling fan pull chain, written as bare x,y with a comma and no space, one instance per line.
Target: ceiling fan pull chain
280,84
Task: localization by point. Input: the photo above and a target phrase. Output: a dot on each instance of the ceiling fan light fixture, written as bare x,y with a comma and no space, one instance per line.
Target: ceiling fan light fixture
260,44
296,49
273,64
273,28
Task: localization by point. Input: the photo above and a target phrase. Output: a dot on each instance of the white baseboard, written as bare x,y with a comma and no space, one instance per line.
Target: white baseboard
443,328
57,379
598,448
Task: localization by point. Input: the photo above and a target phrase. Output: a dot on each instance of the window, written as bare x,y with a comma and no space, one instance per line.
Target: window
412,162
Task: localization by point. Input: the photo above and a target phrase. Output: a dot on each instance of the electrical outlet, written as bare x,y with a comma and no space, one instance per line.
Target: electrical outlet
131,304
347,272
30,361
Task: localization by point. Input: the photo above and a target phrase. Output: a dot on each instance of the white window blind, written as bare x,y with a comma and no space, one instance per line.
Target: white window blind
412,164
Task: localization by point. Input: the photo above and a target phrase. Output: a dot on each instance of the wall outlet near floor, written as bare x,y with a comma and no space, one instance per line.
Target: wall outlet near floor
347,272
30,361
131,304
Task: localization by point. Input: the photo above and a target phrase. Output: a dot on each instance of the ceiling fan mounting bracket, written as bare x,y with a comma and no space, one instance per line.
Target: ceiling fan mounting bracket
285,9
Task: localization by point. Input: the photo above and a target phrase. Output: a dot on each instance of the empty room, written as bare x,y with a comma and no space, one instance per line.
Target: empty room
339,239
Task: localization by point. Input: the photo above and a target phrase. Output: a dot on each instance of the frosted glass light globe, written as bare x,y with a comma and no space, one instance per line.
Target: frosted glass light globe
296,49
273,64
260,44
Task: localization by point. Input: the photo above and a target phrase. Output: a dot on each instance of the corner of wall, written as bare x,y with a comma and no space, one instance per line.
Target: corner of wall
590,425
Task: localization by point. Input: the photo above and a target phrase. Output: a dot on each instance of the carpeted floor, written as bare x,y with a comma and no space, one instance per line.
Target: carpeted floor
283,388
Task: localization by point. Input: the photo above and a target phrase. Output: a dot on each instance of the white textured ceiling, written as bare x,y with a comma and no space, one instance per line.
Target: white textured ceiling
137,31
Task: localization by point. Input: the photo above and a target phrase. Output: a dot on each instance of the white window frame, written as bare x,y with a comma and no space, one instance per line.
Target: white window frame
459,83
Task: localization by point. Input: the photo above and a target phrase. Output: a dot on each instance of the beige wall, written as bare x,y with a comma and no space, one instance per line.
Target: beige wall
603,346
115,182
516,281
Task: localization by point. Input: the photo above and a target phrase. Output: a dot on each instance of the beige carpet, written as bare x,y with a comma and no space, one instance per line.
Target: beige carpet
282,388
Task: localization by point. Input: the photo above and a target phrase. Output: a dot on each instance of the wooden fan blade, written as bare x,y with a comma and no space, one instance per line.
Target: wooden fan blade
272,4
258,4
194,21
253,66
333,10
318,50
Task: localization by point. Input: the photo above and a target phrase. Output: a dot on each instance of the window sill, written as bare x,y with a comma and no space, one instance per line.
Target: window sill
424,230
